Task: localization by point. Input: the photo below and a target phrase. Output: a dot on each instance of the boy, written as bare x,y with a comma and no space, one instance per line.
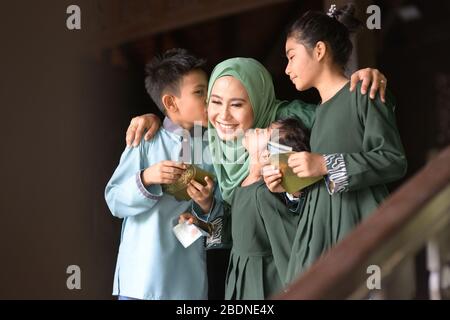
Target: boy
152,263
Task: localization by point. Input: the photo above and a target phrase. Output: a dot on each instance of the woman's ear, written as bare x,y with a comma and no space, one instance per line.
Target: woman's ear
320,50
169,103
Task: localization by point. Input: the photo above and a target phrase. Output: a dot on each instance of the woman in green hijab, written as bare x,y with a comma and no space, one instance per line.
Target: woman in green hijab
241,97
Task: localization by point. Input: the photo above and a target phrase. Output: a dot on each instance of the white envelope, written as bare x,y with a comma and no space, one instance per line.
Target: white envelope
187,233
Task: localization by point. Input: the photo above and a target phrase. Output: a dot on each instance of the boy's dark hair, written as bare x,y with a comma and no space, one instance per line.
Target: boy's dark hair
164,73
292,133
333,28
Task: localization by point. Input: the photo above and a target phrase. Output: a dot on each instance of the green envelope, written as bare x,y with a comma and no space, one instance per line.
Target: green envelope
290,181
179,188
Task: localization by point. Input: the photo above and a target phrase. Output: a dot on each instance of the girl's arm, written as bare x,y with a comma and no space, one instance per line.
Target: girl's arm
381,160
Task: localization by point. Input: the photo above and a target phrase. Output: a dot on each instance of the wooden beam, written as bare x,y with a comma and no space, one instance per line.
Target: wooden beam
114,22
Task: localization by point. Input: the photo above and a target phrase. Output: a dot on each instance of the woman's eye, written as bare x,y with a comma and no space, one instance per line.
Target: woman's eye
237,105
215,102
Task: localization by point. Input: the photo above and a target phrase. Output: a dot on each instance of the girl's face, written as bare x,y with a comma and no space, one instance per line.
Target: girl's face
301,66
229,108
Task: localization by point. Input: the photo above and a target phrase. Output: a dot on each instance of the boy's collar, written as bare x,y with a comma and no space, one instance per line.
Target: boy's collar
172,127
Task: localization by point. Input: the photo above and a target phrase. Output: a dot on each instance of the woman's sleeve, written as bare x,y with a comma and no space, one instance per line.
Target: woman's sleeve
382,159
298,109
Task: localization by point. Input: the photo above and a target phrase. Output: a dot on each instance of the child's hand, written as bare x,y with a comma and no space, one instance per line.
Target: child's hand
306,164
202,195
272,178
190,218
164,172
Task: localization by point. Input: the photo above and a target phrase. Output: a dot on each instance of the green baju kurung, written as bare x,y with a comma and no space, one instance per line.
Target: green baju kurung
262,229
363,134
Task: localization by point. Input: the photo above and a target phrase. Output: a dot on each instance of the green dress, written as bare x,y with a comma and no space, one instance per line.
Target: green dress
362,136
262,230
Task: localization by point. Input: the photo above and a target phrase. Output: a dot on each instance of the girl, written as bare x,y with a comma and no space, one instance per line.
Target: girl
354,140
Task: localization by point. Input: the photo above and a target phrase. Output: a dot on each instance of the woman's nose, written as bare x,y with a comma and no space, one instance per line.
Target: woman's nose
224,113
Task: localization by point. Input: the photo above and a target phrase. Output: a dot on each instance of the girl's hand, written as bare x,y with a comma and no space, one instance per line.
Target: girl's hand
202,195
272,178
306,164
138,125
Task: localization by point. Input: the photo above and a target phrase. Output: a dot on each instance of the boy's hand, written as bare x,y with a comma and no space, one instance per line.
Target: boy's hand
307,164
190,218
202,195
138,125
368,76
272,178
164,172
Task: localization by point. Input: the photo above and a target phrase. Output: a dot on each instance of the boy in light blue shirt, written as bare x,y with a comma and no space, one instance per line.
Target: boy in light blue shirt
152,263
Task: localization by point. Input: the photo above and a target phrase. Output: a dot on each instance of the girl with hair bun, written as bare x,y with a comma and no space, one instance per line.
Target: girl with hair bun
354,141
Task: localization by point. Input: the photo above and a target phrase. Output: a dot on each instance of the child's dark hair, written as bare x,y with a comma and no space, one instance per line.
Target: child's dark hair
333,28
292,133
164,73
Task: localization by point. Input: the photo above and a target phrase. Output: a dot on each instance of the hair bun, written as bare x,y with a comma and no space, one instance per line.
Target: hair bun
346,16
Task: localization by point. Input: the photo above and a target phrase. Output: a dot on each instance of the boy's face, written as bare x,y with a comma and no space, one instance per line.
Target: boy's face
191,101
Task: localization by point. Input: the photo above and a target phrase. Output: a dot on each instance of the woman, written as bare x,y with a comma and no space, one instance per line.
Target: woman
241,97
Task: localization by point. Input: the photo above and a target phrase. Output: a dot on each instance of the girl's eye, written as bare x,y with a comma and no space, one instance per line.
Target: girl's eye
291,57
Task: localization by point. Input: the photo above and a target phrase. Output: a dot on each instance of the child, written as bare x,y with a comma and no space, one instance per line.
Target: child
152,263
263,224
354,140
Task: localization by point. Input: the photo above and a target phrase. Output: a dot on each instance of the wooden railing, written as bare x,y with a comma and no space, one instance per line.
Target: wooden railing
403,224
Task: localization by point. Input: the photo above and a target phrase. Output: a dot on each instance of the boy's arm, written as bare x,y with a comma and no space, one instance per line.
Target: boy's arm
125,193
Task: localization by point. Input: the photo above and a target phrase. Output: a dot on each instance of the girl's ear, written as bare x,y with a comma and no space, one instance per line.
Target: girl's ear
320,50
169,103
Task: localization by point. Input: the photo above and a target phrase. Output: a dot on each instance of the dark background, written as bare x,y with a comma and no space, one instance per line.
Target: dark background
67,97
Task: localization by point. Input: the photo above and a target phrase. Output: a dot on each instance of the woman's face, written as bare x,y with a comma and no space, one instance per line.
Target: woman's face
301,66
229,108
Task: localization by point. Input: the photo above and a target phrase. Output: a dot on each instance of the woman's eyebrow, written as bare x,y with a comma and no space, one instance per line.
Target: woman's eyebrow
237,99
216,96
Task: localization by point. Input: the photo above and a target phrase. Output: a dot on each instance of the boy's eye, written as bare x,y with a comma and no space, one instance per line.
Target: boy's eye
199,92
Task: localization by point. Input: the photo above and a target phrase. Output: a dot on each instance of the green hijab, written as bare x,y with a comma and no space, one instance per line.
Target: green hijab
230,159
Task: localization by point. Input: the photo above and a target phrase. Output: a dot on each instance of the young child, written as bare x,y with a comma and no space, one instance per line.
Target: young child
263,224
152,263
